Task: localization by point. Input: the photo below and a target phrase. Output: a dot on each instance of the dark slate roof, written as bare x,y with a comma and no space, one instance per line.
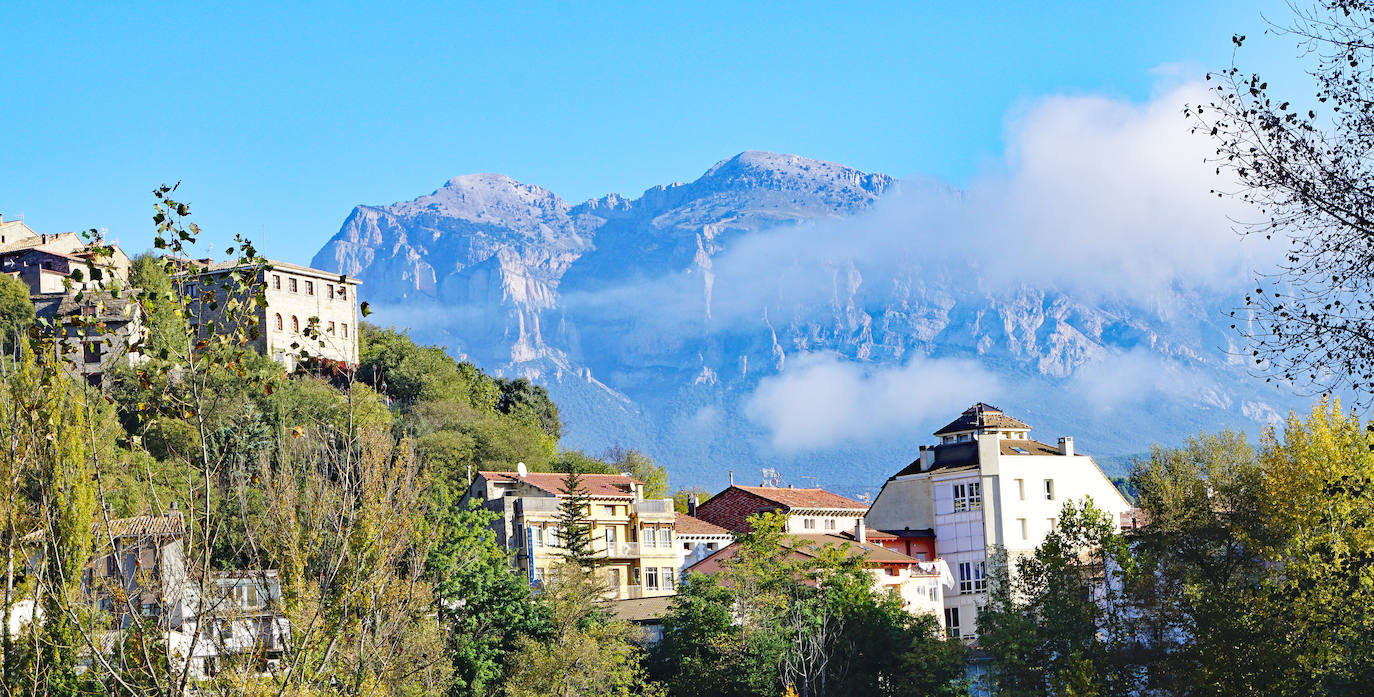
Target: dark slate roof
981,415
948,456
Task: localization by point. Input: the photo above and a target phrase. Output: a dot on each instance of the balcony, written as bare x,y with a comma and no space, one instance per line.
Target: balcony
618,550
655,509
526,505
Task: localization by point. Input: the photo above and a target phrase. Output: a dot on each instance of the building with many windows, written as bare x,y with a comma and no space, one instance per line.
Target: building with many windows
634,535
304,312
986,485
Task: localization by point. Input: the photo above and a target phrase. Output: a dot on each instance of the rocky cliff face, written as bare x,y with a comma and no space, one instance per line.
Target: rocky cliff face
653,320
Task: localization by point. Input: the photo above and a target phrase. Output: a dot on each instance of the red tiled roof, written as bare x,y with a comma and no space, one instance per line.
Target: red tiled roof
687,525
803,498
597,485
807,546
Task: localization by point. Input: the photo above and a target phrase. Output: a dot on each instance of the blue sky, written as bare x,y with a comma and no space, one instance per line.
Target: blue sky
279,119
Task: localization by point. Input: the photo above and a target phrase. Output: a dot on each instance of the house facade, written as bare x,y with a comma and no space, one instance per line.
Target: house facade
634,536
698,539
304,312
986,485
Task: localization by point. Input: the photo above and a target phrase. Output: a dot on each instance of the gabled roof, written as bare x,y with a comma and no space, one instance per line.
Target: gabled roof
158,526
803,498
807,546
597,485
689,525
979,416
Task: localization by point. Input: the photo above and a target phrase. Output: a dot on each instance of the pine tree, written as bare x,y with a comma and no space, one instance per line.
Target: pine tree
575,529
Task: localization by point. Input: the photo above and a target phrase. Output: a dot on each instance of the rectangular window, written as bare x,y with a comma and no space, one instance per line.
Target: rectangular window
91,352
1050,523
1049,489
1024,532
1021,489
891,570
331,327
809,523
343,292
667,577
968,497
651,578
650,540
292,283
610,538
980,577
345,330
931,591
538,536
276,282
665,537
309,287
331,291
952,622
608,510
614,580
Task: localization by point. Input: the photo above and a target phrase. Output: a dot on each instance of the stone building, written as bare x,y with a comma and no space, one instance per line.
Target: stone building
634,535
306,313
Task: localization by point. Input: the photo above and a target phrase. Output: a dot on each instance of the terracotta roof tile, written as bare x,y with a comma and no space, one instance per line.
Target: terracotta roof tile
687,525
803,498
597,485
170,525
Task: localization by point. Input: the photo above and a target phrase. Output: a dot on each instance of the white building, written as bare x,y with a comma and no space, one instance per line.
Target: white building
986,486
698,539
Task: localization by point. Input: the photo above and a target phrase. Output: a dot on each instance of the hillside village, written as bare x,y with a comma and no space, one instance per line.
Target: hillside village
983,483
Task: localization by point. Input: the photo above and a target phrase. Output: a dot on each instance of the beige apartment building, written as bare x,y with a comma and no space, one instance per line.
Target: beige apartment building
308,312
634,535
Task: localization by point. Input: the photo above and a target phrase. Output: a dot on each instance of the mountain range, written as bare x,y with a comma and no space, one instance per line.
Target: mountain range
791,314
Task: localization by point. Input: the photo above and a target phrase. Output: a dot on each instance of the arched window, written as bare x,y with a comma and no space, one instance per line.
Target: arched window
295,324
278,321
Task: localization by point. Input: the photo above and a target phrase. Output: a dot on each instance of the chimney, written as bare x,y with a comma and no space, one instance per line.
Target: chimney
1066,446
732,477
927,458
692,505
860,531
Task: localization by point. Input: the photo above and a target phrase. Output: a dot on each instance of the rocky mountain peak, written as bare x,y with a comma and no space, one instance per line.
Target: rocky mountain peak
492,199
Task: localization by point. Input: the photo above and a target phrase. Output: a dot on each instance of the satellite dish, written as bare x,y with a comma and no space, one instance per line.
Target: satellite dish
521,470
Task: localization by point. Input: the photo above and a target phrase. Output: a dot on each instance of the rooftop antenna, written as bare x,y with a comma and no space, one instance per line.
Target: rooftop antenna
771,478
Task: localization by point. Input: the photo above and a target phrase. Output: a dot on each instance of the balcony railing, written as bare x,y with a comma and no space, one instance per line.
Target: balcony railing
654,506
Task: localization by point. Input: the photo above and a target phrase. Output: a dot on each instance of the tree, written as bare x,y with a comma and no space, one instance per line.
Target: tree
1061,623
588,654
574,526
1200,572
641,467
1303,168
522,398
485,606
1318,500
16,312
786,614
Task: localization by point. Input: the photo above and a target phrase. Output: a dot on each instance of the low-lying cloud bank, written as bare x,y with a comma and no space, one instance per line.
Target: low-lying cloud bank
822,400
1103,200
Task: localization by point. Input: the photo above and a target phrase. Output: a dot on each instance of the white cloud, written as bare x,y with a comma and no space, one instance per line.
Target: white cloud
822,400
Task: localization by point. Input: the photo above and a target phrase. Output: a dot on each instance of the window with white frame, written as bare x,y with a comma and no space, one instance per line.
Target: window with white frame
650,540
965,577
651,578
973,578
665,537
1049,489
968,497
829,523
980,577
666,577
809,523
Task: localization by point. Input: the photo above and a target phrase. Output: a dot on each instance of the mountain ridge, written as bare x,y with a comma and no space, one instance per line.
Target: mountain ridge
660,320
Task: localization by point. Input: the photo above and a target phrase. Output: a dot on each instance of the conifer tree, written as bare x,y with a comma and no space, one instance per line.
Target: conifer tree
575,529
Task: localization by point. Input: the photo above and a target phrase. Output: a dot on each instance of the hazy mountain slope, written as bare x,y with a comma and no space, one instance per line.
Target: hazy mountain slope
662,322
